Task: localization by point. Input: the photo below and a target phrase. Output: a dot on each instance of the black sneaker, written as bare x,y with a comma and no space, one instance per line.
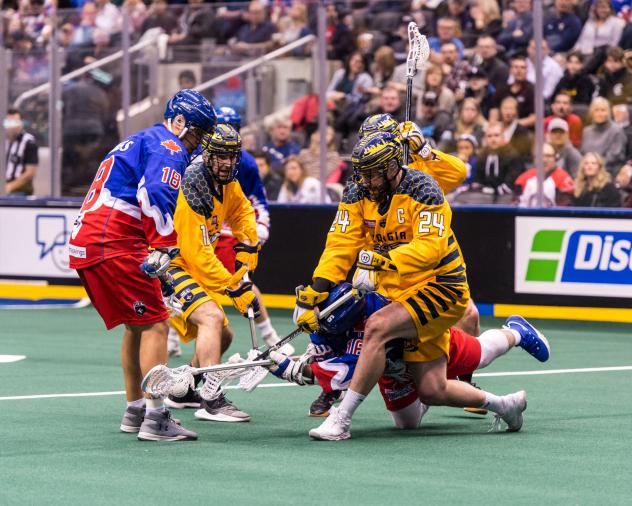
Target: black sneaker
190,400
324,402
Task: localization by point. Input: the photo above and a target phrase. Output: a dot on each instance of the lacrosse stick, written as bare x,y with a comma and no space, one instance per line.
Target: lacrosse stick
255,375
418,53
161,381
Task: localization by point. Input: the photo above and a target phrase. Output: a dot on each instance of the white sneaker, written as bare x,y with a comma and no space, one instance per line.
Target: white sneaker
334,428
173,343
514,405
272,338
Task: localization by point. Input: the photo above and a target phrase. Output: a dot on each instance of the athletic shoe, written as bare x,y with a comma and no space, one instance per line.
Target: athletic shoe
159,426
513,406
334,428
324,402
173,343
190,400
272,338
132,419
221,409
531,340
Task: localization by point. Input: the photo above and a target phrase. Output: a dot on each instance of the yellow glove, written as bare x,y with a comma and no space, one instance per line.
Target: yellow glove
247,254
305,314
412,134
241,294
372,261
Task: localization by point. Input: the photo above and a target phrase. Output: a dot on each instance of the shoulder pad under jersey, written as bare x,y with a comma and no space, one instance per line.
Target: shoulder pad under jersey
421,187
352,193
196,189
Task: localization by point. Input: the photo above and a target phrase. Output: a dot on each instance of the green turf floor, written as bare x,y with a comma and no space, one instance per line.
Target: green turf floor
575,446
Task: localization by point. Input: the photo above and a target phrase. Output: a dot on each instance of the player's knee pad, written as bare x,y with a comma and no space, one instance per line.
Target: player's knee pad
493,344
409,417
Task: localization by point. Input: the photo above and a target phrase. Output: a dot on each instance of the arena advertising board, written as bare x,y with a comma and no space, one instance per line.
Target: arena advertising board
35,242
573,256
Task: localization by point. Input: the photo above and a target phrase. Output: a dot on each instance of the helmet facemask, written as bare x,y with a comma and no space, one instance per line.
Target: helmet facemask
376,181
222,164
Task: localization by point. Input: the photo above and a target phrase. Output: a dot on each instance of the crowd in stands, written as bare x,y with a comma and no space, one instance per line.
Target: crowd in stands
474,97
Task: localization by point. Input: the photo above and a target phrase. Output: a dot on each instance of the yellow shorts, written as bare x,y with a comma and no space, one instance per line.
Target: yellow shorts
434,307
191,295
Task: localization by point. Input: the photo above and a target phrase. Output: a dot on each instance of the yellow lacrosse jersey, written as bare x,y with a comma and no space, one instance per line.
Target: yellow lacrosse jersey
200,213
413,227
449,171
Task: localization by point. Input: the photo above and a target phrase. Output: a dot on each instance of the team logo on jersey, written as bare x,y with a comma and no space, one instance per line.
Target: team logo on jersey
140,308
186,295
370,223
172,146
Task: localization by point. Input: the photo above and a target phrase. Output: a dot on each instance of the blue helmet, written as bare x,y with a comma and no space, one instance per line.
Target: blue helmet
197,110
346,316
230,116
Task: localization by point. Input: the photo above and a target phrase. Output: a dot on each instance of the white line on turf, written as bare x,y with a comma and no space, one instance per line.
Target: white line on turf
276,385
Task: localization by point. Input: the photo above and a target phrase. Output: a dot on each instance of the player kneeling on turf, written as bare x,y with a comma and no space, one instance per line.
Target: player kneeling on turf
335,348
208,197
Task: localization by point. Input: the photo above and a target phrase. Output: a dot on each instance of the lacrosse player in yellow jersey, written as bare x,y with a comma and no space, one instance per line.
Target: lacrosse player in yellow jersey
209,196
402,220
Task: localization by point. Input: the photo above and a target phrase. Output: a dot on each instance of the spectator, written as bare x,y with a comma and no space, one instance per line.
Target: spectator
446,32
604,136
466,148
562,26
137,11
21,156
160,16
299,188
516,35
568,157
294,27
575,83
479,89
310,157
551,70
391,103
557,188
383,67
496,169
593,186
186,80
82,35
621,116
601,30
435,123
271,181
562,107
281,145
454,69
521,89
514,134
340,40
470,121
615,83
197,22
626,37
108,17
485,58
459,10
434,82
255,37
486,16
624,183
351,82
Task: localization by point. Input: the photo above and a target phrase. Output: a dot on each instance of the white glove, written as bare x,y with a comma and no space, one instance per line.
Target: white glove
288,369
156,263
317,352
365,281
411,133
263,233
173,304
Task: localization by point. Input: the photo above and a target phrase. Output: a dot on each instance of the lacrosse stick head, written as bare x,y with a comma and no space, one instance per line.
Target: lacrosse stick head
418,50
251,378
158,381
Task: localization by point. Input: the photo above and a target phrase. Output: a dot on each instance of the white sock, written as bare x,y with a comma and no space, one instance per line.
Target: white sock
265,327
139,403
494,403
493,344
350,403
516,335
154,405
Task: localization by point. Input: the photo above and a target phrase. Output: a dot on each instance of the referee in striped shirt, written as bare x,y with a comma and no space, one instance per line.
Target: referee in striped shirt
21,153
